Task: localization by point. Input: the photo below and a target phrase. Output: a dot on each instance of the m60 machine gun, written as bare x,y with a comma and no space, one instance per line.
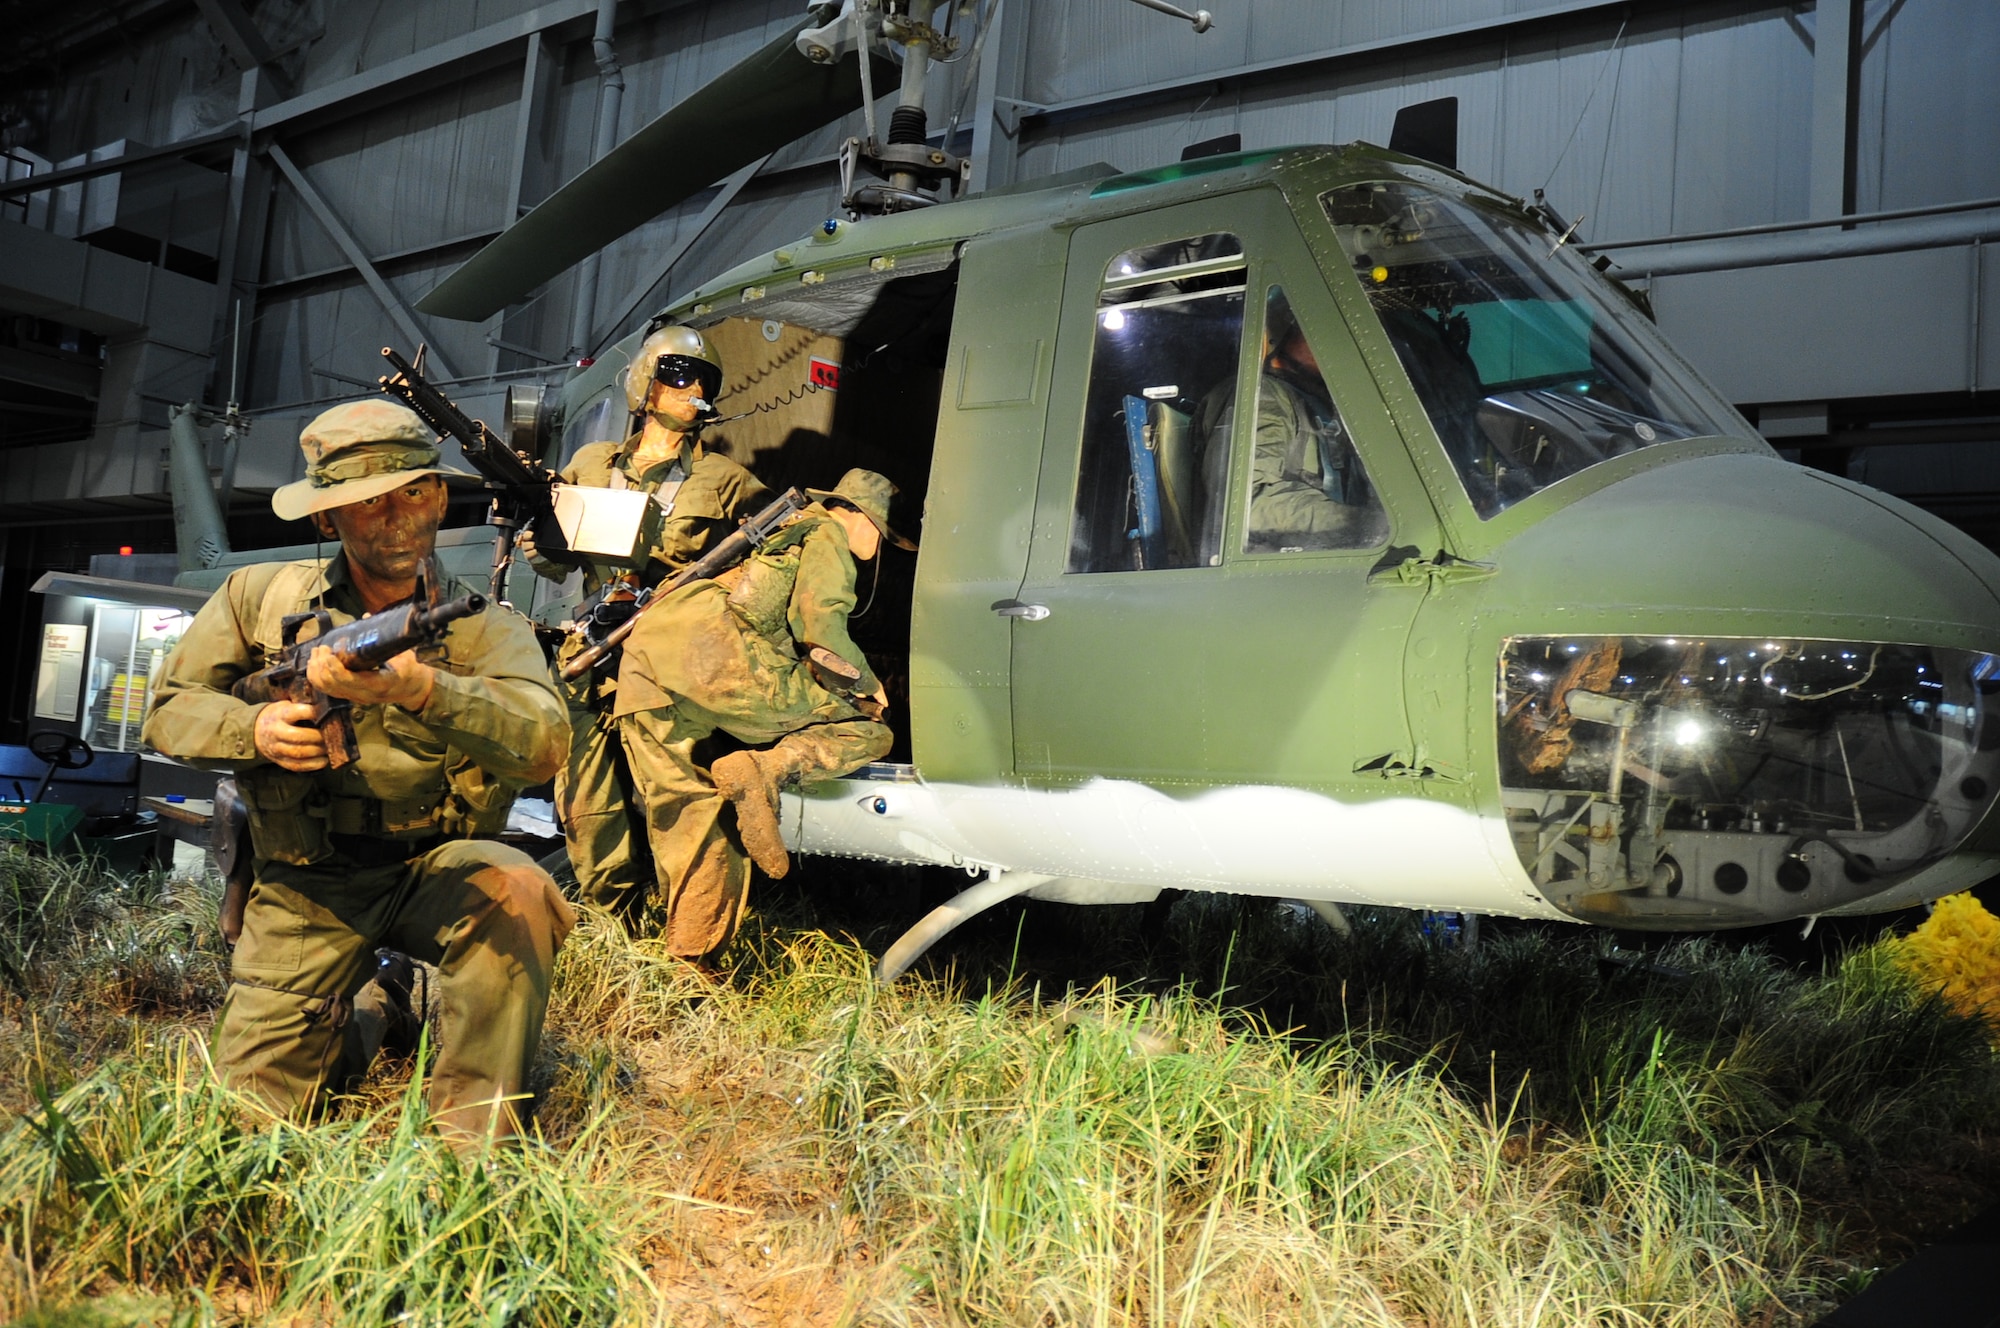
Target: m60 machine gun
523,488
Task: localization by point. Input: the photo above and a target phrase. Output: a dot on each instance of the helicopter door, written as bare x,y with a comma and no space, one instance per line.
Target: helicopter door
1197,607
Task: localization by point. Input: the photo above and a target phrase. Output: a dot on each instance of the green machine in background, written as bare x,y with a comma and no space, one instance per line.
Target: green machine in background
36,820
82,803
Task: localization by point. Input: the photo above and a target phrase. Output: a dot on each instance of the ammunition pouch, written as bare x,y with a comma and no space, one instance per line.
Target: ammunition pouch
478,804
288,815
293,820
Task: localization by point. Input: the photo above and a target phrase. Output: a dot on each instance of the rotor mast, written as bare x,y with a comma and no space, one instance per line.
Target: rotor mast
904,172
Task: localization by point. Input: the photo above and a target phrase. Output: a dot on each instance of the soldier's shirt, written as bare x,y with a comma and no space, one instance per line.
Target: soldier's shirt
733,646
713,496
494,722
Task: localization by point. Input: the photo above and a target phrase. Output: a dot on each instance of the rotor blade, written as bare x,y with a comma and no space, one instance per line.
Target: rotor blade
754,108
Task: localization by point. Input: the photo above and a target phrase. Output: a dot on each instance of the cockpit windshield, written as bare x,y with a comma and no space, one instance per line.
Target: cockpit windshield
1530,366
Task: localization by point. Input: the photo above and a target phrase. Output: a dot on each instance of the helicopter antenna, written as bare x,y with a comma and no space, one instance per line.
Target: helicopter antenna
1595,84
1201,18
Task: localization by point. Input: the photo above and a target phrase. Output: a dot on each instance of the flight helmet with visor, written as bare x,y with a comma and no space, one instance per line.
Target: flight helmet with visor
678,357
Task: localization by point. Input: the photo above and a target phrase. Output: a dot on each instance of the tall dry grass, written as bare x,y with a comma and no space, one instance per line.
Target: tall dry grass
1524,1137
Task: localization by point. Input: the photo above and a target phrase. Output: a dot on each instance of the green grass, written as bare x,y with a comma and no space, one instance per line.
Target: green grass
1373,1131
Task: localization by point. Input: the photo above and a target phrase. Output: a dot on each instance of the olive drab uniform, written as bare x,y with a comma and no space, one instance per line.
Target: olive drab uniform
728,655
380,851
602,792
1307,488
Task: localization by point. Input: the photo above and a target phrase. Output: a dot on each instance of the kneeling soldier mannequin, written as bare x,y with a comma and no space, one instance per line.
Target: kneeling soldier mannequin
383,850
761,653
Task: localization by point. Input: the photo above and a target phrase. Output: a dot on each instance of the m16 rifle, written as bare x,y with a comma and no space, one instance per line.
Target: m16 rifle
731,550
523,488
362,645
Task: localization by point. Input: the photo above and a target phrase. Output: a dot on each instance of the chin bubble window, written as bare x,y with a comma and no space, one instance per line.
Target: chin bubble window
1719,781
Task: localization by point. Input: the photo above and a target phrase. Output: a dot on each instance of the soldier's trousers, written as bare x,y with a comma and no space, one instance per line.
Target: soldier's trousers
703,876
603,814
482,912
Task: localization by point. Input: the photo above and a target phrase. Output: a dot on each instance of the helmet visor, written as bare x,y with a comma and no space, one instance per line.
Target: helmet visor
686,371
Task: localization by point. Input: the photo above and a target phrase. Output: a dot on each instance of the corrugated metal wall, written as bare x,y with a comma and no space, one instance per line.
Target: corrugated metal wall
1643,118
1645,124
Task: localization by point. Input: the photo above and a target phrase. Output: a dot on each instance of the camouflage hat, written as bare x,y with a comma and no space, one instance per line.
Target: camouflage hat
869,494
358,450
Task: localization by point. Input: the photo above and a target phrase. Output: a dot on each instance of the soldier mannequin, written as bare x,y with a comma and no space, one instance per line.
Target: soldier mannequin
380,851
762,654
673,380
1306,486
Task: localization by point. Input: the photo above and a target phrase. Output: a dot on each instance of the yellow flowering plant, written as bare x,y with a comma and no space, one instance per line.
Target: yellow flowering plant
1957,950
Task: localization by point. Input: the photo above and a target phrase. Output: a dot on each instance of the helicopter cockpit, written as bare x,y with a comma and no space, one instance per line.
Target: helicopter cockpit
1530,368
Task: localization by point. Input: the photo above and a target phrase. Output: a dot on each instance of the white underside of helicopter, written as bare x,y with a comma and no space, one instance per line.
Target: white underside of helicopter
1115,841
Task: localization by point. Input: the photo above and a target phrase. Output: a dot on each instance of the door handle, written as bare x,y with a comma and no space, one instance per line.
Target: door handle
1014,608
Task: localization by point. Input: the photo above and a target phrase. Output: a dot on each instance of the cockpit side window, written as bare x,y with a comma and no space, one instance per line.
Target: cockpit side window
1307,488
1530,366
1169,330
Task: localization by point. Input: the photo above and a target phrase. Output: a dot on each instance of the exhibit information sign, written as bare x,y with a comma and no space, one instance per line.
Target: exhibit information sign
59,682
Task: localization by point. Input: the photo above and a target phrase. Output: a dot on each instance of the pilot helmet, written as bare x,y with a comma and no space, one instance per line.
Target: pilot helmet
677,356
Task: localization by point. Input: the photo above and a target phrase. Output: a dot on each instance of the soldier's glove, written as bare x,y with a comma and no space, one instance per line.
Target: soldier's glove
526,549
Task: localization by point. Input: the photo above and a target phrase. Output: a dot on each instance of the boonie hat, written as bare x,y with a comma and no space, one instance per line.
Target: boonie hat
869,494
358,450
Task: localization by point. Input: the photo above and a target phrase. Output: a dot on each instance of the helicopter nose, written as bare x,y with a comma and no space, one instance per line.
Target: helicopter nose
1733,690
1757,537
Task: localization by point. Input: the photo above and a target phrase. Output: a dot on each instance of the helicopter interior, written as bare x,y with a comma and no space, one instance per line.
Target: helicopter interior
1153,491
841,374
1529,370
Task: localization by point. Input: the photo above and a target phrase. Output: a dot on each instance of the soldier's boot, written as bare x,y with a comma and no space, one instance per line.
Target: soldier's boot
750,780
385,1021
809,755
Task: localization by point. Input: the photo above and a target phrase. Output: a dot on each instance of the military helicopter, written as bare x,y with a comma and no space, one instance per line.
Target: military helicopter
1484,601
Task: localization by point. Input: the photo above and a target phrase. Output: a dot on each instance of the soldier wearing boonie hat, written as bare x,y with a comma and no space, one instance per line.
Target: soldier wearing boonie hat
384,852
361,449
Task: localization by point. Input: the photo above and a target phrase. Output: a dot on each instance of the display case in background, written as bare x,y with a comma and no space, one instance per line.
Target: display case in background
127,653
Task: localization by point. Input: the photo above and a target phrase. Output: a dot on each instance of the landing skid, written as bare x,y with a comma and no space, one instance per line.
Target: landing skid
939,922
